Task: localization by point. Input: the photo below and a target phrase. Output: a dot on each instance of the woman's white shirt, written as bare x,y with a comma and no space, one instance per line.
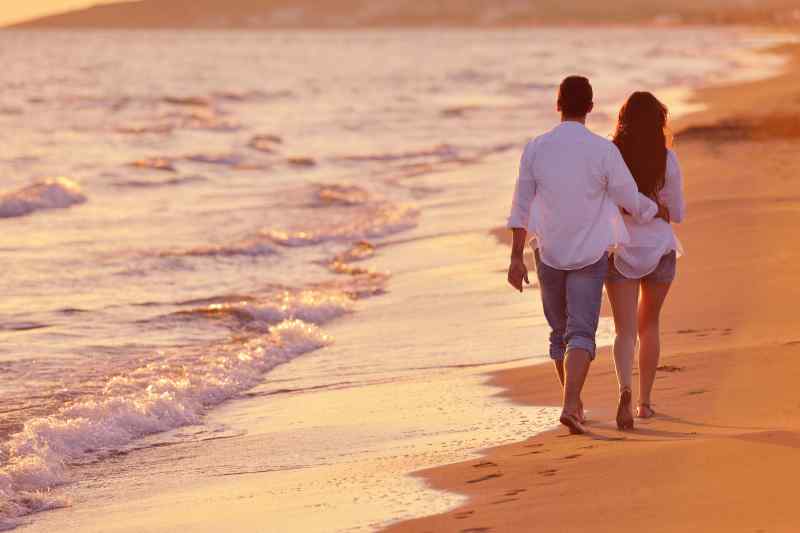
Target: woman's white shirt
650,241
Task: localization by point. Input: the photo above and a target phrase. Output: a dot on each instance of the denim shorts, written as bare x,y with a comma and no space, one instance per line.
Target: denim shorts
664,272
571,301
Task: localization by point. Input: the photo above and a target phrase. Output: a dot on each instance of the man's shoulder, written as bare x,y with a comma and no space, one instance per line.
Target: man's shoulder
538,140
583,137
599,141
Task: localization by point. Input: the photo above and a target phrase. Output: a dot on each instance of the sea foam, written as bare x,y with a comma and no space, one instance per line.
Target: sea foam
377,220
50,193
160,395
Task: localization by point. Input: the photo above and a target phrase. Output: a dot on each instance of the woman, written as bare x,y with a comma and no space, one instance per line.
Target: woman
648,261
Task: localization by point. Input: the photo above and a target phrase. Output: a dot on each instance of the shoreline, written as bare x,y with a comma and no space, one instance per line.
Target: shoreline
727,425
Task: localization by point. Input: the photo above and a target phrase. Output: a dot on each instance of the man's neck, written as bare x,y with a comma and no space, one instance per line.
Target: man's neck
579,120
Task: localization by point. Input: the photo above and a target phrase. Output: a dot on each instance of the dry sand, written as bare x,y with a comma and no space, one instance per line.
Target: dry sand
724,452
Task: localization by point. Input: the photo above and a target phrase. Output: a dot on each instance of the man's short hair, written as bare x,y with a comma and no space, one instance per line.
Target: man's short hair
575,96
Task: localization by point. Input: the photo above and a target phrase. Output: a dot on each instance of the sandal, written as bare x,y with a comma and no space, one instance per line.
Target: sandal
624,416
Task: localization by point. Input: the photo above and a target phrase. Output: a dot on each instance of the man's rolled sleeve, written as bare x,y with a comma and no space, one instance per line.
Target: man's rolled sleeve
524,192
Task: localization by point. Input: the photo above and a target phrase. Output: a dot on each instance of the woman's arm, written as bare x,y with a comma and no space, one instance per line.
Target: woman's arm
671,196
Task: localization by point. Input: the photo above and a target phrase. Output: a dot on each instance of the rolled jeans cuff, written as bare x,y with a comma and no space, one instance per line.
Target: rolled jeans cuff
579,342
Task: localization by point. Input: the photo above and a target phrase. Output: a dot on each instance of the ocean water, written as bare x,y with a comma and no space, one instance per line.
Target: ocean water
297,221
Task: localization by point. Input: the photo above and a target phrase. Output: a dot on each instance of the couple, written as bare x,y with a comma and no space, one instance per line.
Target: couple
600,213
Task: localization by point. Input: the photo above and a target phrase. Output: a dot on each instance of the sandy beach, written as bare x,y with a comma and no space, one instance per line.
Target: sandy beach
721,453
249,302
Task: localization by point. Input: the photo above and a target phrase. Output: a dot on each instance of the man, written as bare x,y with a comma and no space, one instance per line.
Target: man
571,186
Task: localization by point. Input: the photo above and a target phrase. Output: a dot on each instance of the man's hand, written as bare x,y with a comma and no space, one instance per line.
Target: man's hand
663,212
517,273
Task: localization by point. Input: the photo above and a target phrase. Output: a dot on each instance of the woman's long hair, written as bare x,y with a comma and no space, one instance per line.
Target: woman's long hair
643,139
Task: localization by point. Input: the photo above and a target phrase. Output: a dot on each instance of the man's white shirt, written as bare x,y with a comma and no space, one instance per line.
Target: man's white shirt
571,185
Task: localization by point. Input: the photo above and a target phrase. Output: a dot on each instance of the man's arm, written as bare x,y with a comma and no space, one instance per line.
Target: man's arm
517,271
524,193
625,193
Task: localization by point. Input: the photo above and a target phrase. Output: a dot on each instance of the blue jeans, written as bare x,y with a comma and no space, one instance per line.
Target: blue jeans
571,300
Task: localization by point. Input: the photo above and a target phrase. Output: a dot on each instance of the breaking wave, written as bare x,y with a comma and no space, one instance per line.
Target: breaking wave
376,220
248,247
160,183
317,306
51,193
158,396
442,151
340,194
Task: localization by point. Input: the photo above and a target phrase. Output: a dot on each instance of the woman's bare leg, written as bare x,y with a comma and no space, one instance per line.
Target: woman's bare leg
653,296
624,296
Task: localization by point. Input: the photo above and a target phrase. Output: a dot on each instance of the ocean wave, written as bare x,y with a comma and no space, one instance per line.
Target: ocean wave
165,164
247,247
183,180
301,161
372,221
342,263
191,101
470,75
265,143
460,110
162,128
11,110
340,194
528,87
316,306
442,151
216,159
253,95
155,397
51,193
203,119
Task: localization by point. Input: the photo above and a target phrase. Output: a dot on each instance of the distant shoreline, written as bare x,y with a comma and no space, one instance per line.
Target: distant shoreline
368,29
450,14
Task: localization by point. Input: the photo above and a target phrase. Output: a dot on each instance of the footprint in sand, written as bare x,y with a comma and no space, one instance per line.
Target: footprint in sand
669,368
573,456
538,445
507,500
484,465
464,514
527,453
704,332
515,492
485,478
548,473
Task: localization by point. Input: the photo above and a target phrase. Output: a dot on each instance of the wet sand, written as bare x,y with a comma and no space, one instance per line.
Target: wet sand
723,451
